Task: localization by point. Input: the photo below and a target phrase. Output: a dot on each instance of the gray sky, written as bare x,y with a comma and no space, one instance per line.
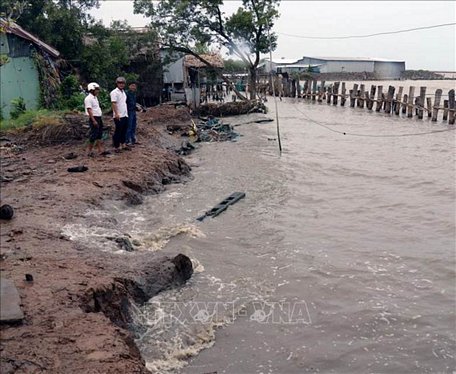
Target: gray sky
432,49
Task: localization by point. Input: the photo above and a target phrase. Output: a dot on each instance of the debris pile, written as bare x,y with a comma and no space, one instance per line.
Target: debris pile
213,130
165,114
53,130
232,108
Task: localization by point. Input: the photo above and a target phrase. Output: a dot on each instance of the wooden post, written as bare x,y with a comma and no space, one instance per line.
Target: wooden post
421,102
445,110
435,112
309,89
336,93
322,90
304,90
404,104
379,99
314,90
410,102
361,96
329,94
353,95
370,102
342,98
451,105
389,99
293,88
429,106
399,100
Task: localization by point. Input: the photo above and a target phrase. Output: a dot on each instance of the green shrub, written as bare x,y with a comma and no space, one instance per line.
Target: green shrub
75,102
31,118
17,107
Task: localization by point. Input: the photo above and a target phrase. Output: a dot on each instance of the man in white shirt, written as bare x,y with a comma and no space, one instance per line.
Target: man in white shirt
120,113
93,110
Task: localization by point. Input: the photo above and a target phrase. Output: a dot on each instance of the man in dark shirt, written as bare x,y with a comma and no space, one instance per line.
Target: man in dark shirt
131,107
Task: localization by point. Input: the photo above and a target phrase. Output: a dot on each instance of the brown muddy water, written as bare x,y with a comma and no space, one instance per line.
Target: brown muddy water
341,258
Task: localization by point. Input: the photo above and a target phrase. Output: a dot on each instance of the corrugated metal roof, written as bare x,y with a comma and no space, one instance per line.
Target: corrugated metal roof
214,59
13,28
283,60
372,59
298,66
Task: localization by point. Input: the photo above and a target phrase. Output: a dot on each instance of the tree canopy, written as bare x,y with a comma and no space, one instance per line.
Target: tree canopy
95,52
185,24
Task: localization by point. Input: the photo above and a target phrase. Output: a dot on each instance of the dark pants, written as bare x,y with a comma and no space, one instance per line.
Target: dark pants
96,132
120,132
131,132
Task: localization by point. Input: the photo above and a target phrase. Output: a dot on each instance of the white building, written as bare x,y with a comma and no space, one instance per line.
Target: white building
382,68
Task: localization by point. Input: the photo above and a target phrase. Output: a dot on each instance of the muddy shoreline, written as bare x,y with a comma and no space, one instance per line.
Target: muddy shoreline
77,307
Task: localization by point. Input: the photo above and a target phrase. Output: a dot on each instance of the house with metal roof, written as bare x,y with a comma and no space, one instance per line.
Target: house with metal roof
19,71
185,75
284,65
380,67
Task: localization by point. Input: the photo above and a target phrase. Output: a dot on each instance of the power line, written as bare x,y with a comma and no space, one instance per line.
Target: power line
367,35
369,135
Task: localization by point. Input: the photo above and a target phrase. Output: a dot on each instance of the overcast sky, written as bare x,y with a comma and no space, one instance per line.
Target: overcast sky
432,49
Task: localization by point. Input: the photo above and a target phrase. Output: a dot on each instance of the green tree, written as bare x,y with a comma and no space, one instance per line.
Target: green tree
60,23
235,66
185,24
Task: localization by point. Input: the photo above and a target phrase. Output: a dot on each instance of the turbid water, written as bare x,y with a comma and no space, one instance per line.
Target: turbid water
341,258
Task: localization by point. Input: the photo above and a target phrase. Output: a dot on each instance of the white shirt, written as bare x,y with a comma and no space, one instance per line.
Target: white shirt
91,102
120,98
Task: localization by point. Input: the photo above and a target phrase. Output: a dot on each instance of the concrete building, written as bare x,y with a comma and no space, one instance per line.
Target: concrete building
18,67
381,68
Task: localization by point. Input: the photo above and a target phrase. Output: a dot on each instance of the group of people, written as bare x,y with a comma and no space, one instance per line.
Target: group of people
124,113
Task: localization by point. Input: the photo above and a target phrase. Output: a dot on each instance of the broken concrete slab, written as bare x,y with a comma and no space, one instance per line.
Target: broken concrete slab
10,302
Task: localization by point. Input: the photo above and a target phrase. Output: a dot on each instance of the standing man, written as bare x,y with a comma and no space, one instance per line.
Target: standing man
131,107
93,110
120,113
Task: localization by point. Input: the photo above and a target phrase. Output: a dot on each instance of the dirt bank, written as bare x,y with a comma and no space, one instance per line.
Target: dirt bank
76,308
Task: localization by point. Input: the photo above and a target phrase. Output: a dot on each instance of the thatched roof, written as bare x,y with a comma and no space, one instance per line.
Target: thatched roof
214,59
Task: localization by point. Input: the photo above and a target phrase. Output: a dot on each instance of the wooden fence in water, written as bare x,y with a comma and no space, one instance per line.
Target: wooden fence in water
390,100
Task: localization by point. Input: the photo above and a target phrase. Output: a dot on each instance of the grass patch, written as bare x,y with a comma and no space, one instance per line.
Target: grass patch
34,119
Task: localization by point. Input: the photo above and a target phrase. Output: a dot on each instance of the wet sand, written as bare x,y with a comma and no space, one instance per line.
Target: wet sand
75,309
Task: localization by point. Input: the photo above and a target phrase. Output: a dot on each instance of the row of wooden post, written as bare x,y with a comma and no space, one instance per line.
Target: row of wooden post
388,102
